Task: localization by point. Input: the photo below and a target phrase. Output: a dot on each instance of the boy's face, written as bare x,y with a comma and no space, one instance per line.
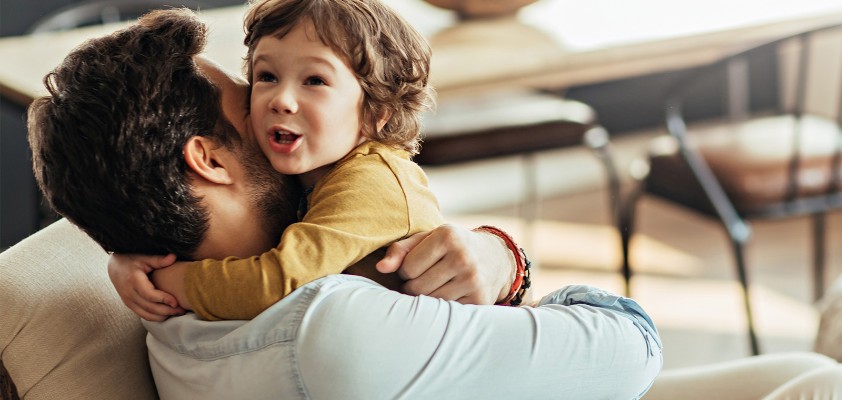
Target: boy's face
305,104
261,205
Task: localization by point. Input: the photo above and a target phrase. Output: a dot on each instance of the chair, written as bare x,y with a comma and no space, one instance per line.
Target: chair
762,161
500,123
506,122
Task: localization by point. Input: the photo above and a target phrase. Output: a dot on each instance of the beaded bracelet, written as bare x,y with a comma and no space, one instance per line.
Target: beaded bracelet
521,282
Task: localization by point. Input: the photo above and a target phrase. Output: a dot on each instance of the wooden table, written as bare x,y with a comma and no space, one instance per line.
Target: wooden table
550,44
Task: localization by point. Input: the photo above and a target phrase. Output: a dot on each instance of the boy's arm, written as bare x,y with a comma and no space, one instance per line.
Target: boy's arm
171,280
483,265
360,207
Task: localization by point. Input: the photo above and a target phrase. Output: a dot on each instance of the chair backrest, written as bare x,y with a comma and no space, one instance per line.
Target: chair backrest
810,83
810,68
95,12
804,75
803,72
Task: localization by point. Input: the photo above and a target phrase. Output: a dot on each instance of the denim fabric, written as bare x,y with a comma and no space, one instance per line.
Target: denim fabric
346,337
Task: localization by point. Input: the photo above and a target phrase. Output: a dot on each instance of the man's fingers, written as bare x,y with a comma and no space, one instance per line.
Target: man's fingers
396,253
431,253
430,280
463,288
449,291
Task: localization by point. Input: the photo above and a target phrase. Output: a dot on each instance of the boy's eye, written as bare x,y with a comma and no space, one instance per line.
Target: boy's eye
265,77
314,81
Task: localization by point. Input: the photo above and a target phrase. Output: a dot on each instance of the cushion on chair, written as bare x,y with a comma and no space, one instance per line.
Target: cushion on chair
669,176
64,333
750,160
501,123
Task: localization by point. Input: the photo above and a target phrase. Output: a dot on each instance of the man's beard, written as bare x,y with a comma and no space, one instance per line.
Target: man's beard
274,195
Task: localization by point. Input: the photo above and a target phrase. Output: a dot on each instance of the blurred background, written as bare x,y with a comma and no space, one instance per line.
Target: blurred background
520,83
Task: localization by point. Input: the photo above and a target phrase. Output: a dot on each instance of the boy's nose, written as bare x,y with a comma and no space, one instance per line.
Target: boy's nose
284,102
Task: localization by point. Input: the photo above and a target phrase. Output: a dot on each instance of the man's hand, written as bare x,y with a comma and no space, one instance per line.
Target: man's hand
452,263
130,276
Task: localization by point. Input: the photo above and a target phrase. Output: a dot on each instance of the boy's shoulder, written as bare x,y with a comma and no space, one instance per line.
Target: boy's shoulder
374,162
374,154
376,148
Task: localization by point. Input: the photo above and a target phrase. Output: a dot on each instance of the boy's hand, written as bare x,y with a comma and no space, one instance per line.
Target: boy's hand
451,263
129,275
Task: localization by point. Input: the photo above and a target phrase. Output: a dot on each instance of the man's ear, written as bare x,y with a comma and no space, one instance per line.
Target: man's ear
207,159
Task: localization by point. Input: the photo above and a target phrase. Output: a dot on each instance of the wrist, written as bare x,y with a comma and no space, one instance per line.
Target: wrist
520,280
497,254
172,280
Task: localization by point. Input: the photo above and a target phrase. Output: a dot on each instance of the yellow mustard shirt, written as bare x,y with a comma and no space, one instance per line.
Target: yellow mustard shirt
372,197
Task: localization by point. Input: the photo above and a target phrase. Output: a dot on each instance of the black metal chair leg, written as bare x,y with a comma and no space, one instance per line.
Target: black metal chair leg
622,210
739,255
819,241
625,225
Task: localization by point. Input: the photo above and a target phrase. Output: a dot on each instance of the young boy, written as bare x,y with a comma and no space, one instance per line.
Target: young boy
337,92
338,87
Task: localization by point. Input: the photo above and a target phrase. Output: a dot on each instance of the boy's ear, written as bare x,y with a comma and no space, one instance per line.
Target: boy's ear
387,114
207,159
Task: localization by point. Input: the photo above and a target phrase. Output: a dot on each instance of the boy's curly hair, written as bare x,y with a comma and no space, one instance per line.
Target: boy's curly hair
390,58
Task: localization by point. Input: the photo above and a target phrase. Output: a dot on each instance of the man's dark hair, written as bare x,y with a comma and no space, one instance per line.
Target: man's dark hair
107,142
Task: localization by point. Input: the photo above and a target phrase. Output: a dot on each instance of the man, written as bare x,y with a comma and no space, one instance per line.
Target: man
150,132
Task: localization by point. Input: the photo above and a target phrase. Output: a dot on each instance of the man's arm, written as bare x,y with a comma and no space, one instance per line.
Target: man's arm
369,342
580,342
453,263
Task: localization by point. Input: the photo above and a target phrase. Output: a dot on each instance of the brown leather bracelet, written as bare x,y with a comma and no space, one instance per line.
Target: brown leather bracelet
521,281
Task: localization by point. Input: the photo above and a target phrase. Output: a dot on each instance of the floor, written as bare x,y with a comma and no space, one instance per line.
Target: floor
685,275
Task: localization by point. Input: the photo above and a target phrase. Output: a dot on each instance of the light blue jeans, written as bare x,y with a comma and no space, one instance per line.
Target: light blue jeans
346,337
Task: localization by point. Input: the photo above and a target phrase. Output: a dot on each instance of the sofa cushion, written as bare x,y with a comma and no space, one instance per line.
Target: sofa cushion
64,333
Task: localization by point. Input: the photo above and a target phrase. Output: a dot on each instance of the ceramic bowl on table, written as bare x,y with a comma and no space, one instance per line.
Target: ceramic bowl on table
468,9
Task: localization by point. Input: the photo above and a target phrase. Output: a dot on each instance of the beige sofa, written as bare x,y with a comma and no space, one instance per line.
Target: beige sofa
65,334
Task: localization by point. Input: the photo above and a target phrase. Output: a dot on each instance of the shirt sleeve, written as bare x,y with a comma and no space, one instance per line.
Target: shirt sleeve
580,343
357,208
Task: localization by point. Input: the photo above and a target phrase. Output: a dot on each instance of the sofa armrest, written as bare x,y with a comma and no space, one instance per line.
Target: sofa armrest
64,333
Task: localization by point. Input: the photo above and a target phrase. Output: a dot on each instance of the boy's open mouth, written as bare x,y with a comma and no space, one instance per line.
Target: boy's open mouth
282,137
